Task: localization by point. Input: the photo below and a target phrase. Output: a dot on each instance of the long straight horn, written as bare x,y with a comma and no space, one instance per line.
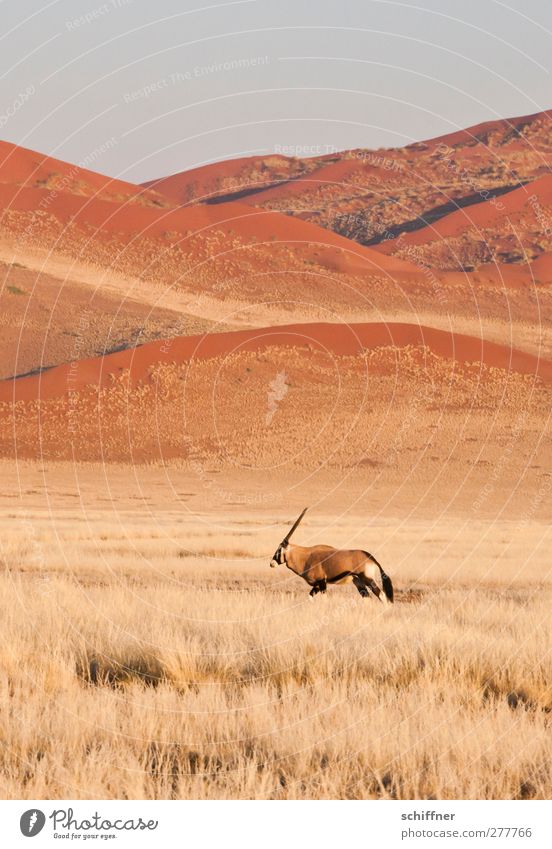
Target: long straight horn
294,526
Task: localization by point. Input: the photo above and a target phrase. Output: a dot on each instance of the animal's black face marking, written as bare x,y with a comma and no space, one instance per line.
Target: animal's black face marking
278,558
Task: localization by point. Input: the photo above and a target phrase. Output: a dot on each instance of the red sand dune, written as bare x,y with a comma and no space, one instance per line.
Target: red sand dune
498,275
541,268
471,135
338,339
481,215
249,224
204,182
22,167
282,176
328,175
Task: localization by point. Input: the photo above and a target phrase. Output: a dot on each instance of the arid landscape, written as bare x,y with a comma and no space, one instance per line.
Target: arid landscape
185,365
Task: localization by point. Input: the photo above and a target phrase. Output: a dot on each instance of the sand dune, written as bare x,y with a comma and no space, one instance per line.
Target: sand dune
503,130
541,268
341,172
30,169
372,196
375,196
273,177
226,177
330,339
49,319
287,402
105,221
251,260
522,203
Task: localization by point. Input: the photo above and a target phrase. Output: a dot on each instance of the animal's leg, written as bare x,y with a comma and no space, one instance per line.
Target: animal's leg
319,587
376,590
359,582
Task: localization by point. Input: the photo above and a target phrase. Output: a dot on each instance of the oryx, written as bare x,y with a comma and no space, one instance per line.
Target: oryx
321,565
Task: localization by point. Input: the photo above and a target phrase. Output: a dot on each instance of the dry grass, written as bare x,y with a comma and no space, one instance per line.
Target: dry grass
133,667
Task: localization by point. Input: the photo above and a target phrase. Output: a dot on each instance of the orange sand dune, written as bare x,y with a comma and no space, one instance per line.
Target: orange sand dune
327,175
22,167
494,276
514,276
279,177
205,181
536,195
249,224
337,339
541,268
471,135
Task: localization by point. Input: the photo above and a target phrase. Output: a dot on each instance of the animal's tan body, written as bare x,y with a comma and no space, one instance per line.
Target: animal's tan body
320,565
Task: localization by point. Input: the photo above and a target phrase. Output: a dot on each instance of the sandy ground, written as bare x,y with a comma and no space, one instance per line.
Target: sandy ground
47,320
399,432
235,521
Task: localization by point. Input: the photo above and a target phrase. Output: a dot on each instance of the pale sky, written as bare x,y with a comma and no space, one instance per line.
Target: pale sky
143,89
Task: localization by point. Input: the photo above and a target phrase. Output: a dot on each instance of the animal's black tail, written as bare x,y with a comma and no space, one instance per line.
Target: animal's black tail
386,582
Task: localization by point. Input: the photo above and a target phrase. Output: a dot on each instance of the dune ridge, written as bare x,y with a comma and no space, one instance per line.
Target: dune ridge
340,340
20,166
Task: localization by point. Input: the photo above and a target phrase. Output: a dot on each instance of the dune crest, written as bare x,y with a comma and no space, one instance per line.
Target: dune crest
336,340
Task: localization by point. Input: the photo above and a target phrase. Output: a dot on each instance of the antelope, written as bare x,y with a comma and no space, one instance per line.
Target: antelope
320,565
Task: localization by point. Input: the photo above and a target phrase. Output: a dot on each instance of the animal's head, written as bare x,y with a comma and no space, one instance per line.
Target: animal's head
279,556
